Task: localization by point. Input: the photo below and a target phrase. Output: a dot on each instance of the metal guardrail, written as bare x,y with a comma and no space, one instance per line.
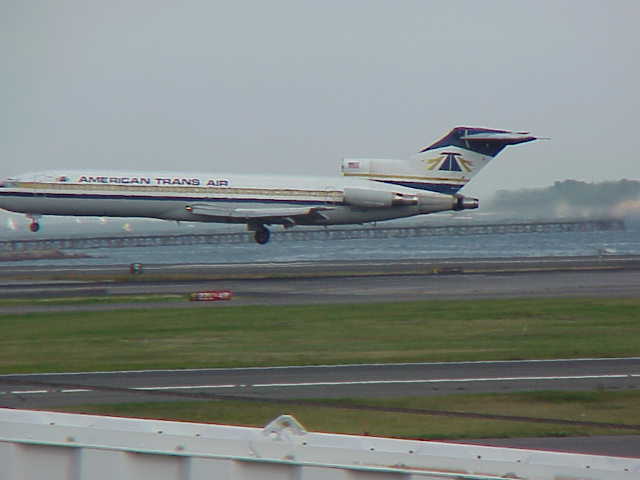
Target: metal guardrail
37,444
81,243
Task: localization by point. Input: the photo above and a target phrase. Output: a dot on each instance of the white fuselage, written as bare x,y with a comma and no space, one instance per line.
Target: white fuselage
169,196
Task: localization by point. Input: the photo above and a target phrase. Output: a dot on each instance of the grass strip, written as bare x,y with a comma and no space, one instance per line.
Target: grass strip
596,406
220,336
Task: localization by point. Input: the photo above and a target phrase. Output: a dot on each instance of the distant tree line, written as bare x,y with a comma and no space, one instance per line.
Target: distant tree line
572,198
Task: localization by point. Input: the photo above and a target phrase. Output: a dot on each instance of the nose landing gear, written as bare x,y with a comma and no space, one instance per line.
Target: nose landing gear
34,226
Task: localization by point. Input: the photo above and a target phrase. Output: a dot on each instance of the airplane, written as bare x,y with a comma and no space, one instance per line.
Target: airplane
369,190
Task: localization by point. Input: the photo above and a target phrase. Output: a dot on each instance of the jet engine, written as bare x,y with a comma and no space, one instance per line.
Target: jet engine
366,198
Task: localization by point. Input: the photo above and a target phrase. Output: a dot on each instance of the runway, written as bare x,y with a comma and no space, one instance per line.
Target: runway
364,381
339,282
336,267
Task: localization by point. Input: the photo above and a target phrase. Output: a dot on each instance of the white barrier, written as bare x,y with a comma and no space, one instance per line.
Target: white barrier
37,445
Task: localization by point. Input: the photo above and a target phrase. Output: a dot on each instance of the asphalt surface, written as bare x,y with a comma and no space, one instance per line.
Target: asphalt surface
340,282
362,381
342,267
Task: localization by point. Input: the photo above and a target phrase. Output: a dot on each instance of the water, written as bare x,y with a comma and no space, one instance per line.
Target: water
478,246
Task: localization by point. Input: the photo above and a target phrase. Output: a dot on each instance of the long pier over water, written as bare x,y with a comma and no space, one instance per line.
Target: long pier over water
158,240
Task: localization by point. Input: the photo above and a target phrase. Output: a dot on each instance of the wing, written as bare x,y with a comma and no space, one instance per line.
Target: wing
284,215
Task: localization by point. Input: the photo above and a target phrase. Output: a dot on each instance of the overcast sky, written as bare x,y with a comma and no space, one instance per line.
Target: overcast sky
293,86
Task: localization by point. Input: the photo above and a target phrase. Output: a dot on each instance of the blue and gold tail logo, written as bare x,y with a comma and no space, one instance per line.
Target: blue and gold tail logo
449,161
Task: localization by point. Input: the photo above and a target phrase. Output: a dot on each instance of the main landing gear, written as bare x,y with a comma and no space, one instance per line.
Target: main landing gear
262,234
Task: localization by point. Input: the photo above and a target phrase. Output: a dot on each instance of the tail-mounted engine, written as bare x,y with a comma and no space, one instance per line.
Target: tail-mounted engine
362,197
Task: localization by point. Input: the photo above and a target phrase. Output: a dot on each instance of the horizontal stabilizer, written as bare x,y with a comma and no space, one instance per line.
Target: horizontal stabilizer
509,138
485,141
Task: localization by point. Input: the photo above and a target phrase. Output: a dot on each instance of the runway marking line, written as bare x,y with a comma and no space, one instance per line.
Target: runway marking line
347,365
357,382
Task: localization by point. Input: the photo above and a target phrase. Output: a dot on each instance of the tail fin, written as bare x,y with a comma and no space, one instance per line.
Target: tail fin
485,141
445,166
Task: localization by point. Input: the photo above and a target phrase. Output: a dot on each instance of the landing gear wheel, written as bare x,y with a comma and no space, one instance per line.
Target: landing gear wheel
262,235
34,227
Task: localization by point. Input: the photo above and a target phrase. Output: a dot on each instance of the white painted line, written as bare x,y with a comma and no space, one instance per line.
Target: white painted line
29,392
352,365
445,380
186,387
390,382
355,382
341,383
